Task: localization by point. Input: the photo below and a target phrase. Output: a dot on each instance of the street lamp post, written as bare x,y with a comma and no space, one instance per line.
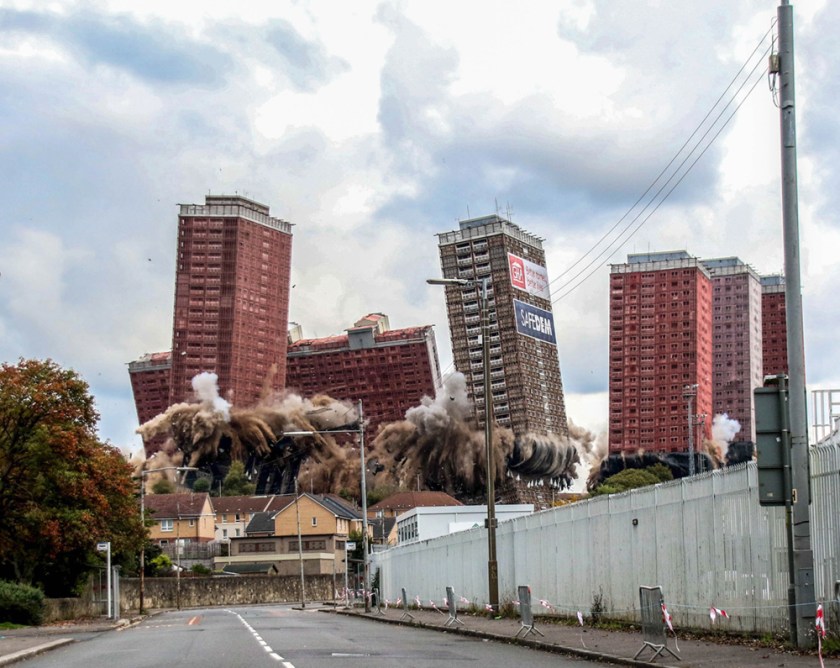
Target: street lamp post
363,484
490,522
143,475
689,392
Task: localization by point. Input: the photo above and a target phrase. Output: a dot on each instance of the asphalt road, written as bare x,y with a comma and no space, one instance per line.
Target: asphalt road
281,637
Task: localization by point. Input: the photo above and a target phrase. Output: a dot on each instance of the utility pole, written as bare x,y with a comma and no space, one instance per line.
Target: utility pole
490,522
300,546
178,553
802,590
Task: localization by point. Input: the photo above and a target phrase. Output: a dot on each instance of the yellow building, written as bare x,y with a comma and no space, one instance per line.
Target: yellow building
180,518
271,544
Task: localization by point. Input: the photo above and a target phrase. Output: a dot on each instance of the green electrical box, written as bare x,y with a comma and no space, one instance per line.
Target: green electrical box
772,440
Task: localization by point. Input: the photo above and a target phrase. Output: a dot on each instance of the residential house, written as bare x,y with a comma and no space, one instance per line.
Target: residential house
233,513
384,531
271,544
401,502
180,518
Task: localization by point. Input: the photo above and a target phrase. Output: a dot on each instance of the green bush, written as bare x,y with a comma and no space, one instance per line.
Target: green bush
626,480
201,485
161,565
201,569
21,604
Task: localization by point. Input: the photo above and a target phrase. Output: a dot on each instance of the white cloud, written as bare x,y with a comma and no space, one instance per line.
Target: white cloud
372,126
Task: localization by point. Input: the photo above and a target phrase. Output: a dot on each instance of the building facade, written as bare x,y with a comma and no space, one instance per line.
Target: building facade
774,325
389,370
234,513
425,523
305,531
736,341
526,385
150,386
660,352
231,298
180,518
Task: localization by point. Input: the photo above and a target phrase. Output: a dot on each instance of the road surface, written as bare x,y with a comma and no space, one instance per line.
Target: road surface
281,637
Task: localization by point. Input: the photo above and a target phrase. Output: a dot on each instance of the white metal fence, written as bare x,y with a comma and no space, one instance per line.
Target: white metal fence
705,540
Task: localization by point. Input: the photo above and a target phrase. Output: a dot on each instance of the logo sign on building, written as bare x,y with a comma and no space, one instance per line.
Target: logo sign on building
528,276
534,322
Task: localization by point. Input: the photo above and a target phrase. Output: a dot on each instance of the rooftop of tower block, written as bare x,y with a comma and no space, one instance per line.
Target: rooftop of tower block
235,206
485,226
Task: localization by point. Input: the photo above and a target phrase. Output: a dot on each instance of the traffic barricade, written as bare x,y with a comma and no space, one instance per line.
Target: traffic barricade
453,608
406,614
526,613
652,607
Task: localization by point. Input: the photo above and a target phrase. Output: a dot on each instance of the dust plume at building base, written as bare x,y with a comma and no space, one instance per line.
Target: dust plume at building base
437,447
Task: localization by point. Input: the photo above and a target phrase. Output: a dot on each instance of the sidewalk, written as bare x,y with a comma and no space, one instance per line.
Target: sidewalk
618,647
19,644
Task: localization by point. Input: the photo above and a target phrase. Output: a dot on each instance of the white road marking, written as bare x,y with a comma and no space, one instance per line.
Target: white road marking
265,645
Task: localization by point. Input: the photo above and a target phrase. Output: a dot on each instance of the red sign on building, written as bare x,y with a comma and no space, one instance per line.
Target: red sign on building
517,271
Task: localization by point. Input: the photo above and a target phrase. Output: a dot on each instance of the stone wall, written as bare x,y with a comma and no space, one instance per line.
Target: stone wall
60,609
196,592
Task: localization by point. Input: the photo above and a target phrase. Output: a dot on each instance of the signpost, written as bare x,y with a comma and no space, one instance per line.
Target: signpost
106,547
348,547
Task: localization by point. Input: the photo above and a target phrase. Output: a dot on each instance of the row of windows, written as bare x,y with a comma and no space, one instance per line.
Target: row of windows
169,525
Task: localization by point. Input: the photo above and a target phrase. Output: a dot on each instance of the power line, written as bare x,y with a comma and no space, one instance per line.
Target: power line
665,197
666,168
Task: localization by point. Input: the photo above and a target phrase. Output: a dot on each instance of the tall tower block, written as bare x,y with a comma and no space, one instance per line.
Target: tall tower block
660,345
231,298
526,386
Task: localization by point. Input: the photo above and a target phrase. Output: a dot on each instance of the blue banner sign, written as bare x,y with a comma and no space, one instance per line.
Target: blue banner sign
534,322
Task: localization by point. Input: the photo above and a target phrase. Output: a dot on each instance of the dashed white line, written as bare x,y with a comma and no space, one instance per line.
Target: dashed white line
265,645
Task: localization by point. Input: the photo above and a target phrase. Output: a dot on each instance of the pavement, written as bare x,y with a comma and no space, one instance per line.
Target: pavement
616,647
24,643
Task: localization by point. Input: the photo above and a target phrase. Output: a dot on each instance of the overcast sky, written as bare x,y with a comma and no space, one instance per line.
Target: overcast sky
374,125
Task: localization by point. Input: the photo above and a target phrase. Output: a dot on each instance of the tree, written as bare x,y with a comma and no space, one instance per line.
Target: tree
626,480
201,485
236,483
163,486
61,490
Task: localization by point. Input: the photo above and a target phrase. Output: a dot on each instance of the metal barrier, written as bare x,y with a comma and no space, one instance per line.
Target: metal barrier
453,608
526,613
653,624
406,614
834,610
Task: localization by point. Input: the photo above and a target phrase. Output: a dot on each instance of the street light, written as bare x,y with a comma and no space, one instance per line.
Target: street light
689,392
143,475
490,522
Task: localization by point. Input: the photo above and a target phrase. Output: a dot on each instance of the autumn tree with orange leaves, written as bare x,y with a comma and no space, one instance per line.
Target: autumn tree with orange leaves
61,489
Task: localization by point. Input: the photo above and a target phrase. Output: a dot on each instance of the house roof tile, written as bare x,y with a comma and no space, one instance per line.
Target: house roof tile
409,500
173,506
241,504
